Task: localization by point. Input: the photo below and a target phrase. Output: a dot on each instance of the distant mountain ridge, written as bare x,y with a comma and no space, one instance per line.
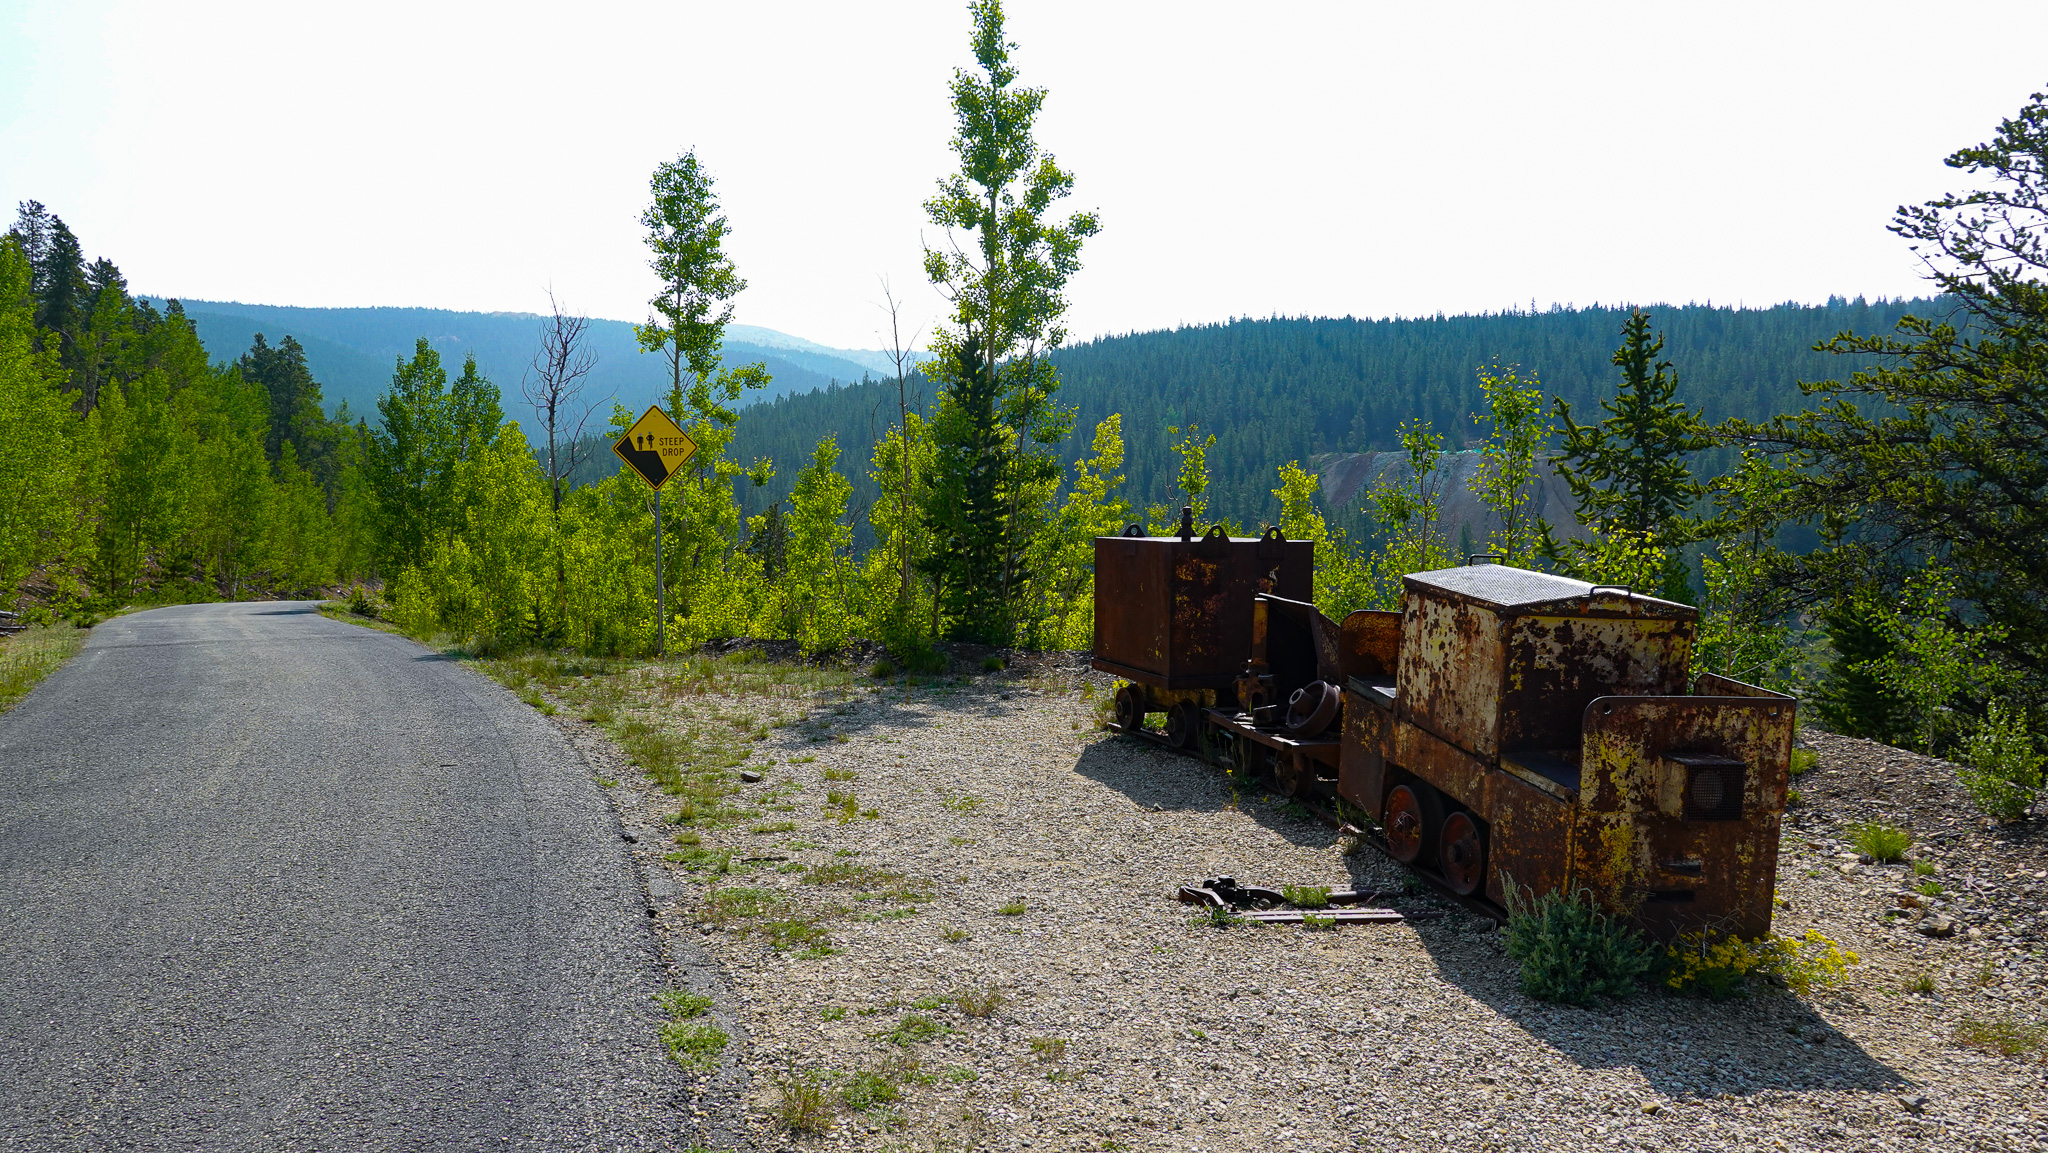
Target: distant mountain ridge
352,351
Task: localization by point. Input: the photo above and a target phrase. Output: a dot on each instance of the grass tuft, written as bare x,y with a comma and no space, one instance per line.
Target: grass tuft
1307,896
803,1104
2005,1036
1881,841
914,1028
978,1002
1049,1049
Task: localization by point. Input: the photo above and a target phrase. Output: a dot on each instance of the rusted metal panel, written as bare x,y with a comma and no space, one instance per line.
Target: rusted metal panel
1530,838
1495,658
1362,762
1175,613
1371,644
1679,812
1450,670
1556,665
1449,769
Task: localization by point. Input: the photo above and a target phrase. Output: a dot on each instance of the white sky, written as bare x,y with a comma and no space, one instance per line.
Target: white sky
1326,159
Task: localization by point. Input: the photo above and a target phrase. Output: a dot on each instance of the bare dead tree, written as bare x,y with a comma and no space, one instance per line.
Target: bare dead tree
902,357
554,388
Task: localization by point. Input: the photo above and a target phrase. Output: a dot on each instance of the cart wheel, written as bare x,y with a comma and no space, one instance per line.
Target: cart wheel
1461,850
1413,814
1130,708
1290,774
1184,724
1252,759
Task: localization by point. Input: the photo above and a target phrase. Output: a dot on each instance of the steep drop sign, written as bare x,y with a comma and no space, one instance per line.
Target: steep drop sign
655,447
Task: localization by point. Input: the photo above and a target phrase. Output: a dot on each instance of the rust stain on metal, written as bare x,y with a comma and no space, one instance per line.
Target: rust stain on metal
1552,719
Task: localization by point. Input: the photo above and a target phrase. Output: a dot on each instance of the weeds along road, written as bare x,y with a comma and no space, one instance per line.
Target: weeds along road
268,880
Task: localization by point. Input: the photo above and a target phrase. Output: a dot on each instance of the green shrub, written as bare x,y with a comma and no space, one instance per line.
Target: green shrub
2001,768
1881,841
991,664
1572,952
867,1089
1306,896
1803,761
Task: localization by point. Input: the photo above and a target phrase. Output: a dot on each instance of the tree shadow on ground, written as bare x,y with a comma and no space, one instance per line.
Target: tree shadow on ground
1683,1047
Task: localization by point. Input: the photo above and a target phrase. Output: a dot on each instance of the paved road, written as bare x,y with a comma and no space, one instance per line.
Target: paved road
272,881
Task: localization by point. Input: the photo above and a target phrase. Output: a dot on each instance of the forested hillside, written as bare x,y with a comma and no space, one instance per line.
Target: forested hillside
1282,390
351,351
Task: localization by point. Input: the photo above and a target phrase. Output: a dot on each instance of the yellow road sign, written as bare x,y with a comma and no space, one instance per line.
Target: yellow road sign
655,447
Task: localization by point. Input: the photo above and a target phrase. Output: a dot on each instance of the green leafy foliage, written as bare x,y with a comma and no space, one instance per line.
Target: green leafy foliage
2001,763
1516,432
1571,951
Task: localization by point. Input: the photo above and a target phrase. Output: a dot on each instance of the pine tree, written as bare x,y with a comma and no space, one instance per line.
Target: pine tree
1629,473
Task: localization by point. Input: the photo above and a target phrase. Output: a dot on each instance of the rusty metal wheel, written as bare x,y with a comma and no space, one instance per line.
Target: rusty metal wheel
1286,775
1461,852
1130,708
1411,819
1184,724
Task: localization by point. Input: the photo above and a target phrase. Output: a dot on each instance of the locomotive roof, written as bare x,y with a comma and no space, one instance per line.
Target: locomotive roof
1518,591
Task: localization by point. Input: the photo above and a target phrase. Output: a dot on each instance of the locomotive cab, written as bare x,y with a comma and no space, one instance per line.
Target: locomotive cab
1538,733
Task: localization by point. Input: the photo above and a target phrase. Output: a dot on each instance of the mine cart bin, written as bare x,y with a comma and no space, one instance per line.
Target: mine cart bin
1173,615
1539,728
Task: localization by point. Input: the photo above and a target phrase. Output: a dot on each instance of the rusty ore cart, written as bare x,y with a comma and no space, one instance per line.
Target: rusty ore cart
1173,618
1509,730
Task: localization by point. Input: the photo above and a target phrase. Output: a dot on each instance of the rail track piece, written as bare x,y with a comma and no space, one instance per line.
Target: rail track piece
1340,916
1255,903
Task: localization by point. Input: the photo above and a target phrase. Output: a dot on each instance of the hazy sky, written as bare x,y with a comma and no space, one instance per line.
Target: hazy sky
1247,159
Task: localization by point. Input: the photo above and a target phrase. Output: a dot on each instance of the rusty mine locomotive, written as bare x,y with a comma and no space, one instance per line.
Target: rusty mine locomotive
1508,730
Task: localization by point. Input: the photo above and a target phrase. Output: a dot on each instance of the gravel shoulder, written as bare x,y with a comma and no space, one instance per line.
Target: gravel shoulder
997,843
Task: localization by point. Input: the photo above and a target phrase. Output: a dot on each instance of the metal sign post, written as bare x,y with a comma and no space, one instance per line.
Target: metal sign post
656,448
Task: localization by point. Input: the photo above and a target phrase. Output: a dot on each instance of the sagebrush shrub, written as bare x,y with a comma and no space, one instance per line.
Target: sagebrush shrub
1572,952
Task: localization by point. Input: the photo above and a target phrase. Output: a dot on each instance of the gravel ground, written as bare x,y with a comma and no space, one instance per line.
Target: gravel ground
998,843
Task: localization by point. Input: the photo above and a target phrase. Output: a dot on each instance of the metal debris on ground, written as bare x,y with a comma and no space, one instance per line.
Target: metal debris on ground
1255,903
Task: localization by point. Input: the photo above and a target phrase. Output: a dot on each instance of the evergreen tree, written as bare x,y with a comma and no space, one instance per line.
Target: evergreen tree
1938,452
1629,473
296,415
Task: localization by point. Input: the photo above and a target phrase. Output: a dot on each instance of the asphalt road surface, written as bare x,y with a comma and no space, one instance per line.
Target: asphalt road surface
273,881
